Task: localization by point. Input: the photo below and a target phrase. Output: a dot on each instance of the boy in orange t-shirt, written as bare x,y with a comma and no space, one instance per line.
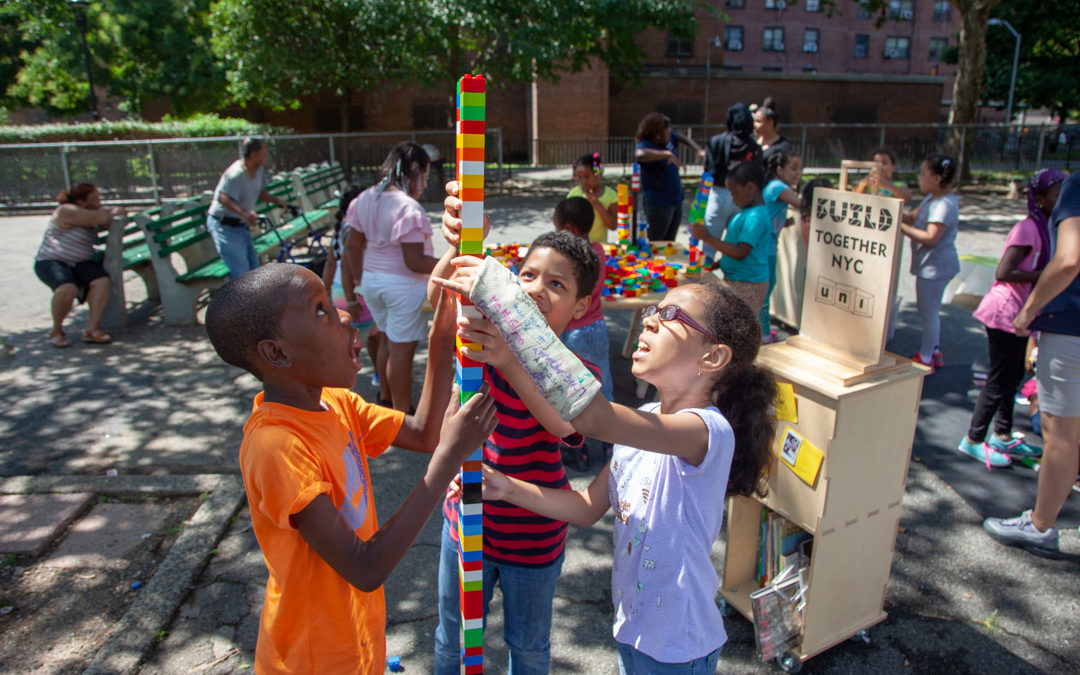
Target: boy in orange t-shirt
304,462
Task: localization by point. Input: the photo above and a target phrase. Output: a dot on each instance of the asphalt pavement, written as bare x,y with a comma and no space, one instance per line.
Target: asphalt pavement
158,402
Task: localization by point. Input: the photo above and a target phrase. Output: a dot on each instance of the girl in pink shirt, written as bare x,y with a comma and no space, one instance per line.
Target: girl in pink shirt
1024,258
389,251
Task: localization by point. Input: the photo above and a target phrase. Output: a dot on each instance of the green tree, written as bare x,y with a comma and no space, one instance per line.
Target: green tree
1049,65
140,50
278,52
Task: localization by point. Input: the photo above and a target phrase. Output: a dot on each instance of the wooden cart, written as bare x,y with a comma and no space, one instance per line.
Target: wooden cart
858,405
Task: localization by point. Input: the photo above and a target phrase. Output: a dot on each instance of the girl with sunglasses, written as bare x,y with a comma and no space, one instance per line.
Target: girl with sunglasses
673,464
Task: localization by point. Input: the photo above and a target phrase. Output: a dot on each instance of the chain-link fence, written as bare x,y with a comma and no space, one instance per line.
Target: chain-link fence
823,146
142,172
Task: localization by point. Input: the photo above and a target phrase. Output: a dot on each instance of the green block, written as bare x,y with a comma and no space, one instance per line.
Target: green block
466,395
472,113
474,98
472,247
473,586
474,637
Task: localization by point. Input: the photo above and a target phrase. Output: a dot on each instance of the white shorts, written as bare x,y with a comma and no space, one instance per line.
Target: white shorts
1058,374
395,303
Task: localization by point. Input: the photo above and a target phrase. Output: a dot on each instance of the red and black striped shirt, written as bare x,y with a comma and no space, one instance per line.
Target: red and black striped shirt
522,448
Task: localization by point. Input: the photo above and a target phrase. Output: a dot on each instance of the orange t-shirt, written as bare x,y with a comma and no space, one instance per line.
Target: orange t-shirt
313,621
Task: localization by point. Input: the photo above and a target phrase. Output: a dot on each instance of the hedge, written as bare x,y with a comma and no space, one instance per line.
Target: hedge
198,126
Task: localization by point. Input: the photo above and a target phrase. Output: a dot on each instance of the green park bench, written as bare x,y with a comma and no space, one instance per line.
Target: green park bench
320,187
183,234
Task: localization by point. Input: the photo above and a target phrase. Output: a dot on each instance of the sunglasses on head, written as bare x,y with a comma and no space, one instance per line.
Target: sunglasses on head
675,313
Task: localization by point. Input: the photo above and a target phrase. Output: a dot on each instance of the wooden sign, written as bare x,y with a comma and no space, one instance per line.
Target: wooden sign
852,257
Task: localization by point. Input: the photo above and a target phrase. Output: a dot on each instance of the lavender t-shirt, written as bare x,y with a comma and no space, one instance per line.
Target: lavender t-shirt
667,515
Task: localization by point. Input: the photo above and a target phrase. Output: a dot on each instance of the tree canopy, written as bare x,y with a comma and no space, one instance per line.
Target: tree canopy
1049,65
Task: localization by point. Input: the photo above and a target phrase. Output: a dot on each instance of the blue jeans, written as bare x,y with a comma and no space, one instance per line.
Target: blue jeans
528,593
633,662
718,212
764,314
591,343
234,245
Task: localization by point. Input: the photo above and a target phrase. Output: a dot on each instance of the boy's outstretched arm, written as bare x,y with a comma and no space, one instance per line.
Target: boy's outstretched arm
420,431
580,507
367,564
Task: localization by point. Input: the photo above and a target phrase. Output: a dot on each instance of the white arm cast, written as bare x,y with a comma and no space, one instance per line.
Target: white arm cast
559,375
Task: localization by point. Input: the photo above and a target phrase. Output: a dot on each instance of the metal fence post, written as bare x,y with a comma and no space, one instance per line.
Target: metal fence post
1042,143
881,138
330,139
802,145
153,171
499,146
64,166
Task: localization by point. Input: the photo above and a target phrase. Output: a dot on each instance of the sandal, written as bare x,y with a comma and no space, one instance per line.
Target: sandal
96,337
58,339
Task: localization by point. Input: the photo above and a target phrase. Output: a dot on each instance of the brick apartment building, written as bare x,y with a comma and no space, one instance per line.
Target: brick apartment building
819,68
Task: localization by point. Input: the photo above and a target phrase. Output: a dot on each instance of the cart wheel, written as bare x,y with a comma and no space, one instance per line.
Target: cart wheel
789,662
725,608
862,636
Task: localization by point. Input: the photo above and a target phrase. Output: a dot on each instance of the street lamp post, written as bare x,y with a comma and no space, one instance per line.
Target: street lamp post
79,8
714,42
1016,60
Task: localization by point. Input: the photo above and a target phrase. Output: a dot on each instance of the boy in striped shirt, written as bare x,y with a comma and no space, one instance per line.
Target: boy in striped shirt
523,552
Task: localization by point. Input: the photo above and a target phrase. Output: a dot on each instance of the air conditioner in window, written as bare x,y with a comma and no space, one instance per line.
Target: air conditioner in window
906,14
778,46
734,45
810,48
894,54
781,4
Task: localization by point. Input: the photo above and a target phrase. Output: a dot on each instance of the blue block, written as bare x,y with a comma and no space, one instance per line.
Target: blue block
471,476
477,456
471,520
477,660
472,530
472,556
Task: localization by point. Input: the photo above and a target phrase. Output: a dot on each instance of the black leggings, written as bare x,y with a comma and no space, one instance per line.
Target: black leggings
998,396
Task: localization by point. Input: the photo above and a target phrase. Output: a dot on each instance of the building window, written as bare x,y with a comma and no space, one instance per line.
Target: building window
813,5
328,118
897,47
937,48
776,4
810,40
677,47
733,38
773,40
941,11
735,4
862,46
902,9
863,11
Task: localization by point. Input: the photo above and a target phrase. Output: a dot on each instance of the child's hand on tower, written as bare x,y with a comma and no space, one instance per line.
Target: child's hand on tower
464,276
496,486
465,428
451,218
482,332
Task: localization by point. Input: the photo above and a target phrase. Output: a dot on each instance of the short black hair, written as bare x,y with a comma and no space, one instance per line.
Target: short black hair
575,213
748,172
884,151
247,310
944,166
250,146
582,257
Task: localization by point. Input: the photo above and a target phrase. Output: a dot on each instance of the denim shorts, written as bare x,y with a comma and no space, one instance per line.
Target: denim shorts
56,273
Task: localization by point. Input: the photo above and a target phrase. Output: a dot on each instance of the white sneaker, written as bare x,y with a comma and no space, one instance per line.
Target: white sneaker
1020,531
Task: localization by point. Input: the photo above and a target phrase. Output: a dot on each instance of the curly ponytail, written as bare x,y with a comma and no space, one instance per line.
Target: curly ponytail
744,393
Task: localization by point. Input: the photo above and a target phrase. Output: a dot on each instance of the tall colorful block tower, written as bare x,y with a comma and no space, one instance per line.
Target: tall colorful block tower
471,106
697,216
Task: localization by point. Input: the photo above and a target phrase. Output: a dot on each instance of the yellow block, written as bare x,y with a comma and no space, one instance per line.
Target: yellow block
472,181
472,140
471,345
473,543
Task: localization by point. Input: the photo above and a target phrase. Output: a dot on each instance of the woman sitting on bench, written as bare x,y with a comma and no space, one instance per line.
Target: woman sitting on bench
65,261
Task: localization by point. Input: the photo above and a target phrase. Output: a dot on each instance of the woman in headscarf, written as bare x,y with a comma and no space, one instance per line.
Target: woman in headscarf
1025,256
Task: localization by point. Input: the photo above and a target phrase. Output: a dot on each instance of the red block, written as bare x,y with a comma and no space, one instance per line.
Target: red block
471,194
471,126
471,154
474,651
475,83
466,362
472,606
472,565
478,669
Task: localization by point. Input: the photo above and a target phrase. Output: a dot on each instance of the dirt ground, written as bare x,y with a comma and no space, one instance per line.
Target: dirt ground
53,619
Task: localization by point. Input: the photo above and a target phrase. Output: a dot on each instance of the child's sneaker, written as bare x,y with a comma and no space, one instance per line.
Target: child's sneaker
374,379
1014,446
937,358
984,453
1020,531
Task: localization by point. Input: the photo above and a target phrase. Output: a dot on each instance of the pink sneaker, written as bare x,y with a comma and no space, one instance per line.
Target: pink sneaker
938,358
917,358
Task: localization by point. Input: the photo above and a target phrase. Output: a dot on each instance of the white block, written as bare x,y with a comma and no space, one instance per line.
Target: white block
472,509
472,215
470,168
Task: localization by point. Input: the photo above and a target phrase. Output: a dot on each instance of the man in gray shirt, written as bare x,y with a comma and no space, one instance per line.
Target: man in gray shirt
230,215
